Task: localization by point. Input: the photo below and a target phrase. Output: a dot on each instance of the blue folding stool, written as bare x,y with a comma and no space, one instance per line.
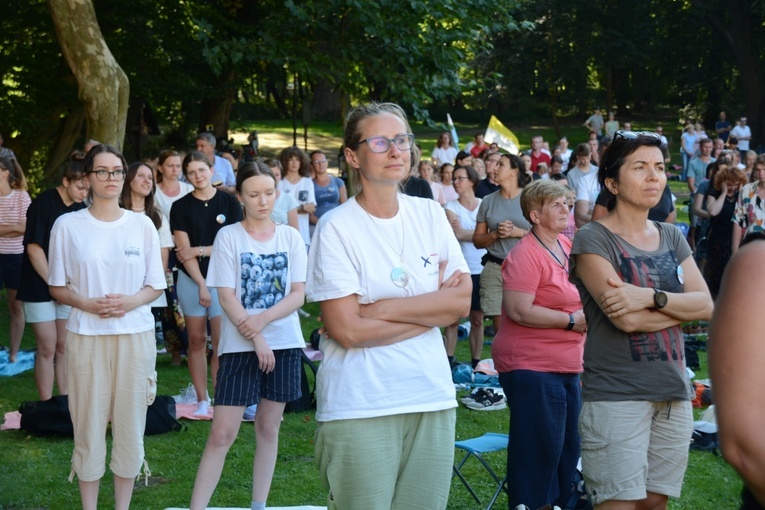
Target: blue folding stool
489,442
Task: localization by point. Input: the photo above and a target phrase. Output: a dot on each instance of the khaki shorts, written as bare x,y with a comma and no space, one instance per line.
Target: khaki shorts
387,463
633,447
491,289
110,376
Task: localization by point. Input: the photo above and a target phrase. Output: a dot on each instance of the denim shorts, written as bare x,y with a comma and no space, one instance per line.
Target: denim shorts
188,295
47,311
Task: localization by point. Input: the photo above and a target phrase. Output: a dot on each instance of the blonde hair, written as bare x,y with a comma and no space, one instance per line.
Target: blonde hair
540,193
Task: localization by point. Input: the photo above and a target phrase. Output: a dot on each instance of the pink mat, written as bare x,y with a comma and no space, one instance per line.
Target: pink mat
12,421
187,411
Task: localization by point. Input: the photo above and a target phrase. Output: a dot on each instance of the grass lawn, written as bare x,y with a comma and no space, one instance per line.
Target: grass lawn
33,471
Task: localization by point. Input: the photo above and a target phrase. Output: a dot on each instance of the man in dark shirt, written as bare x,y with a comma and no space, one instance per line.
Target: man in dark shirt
489,185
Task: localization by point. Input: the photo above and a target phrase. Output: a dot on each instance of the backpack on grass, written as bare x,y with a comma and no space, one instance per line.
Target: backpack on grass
52,418
307,400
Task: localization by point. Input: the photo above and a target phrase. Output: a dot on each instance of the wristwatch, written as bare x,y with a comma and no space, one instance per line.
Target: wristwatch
659,299
571,322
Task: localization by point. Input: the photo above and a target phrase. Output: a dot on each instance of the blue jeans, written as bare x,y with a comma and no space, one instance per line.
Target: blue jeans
544,439
686,162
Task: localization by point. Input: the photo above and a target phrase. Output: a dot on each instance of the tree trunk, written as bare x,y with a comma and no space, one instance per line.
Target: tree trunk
103,86
739,37
66,136
216,110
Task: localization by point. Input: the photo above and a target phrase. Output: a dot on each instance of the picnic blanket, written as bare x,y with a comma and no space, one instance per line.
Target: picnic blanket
24,361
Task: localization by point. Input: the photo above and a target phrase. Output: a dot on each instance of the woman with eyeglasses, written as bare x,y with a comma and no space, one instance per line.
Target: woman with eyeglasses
195,220
638,283
105,263
538,353
500,225
14,202
461,214
388,272
328,190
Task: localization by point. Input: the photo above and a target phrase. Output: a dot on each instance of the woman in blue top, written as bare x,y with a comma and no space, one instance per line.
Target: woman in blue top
330,191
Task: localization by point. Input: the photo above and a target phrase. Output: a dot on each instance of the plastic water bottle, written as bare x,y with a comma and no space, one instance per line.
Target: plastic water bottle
463,330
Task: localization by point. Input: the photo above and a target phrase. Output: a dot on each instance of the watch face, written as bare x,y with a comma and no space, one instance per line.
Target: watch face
660,299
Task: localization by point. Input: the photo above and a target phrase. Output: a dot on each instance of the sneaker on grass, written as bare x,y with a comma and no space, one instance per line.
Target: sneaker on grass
489,401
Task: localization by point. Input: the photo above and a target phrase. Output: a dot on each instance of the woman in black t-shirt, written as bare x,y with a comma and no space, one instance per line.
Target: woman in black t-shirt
47,316
195,220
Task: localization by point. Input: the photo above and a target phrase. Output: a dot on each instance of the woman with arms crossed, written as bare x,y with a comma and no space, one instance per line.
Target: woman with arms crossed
110,349
638,282
259,269
14,202
377,267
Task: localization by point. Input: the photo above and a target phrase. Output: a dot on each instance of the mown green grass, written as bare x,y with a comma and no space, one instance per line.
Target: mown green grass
33,470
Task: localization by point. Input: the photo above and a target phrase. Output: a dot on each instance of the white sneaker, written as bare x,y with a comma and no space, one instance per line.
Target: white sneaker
249,412
188,395
203,408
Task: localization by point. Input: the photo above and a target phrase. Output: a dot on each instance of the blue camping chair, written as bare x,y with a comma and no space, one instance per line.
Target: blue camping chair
489,442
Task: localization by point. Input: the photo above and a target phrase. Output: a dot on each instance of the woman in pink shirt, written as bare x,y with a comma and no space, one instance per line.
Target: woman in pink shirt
538,353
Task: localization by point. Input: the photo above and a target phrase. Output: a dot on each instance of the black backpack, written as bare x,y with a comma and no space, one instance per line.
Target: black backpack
307,400
52,418
160,417
47,417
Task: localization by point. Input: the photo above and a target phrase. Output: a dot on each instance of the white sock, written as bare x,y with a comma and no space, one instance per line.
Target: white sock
203,408
258,505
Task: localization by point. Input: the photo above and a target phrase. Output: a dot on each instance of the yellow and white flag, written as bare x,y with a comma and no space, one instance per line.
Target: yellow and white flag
499,134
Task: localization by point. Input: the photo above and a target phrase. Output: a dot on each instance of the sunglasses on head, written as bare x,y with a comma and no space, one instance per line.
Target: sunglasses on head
633,135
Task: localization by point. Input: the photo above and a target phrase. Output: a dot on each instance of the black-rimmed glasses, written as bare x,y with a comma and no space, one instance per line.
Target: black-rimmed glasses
105,175
403,142
632,135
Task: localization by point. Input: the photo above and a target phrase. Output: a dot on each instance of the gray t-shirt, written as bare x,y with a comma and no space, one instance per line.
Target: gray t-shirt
633,366
495,208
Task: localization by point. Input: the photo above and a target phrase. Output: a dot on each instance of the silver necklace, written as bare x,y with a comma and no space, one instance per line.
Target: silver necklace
398,275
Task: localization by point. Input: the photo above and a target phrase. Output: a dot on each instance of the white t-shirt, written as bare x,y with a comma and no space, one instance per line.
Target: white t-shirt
565,156
447,155
164,203
738,131
95,258
574,175
303,192
352,255
283,205
223,171
261,274
588,190
467,221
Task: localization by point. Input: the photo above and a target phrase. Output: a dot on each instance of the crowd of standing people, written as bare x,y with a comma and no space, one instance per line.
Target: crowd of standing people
572,254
